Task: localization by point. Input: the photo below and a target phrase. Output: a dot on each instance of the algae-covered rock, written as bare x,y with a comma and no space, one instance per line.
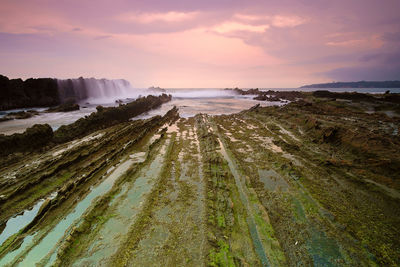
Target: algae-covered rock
106,117
271,95
34,137
37,135
66,107
22,114
349,96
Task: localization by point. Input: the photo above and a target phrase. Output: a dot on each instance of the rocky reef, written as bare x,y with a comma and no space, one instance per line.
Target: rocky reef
20,115
66,107
40,136
315,182
271,95
106,117
354,96
33,138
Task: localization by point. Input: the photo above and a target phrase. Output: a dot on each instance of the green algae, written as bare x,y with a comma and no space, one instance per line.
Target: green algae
45,246
221,256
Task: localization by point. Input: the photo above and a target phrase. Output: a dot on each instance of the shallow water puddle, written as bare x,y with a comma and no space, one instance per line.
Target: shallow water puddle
323,250
126,209
48,244
7,259
15,224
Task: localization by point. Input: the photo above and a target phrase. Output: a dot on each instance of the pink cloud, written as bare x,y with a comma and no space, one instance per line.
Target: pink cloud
280,21
171,16
287,21
232,26
207,43
369,42
200,46
31,18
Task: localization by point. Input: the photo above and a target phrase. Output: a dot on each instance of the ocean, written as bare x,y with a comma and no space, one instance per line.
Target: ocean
189,101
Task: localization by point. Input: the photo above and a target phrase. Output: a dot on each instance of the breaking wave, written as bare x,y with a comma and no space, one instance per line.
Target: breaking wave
106,91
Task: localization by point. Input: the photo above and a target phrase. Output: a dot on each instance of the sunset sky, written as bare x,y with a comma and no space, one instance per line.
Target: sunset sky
203,43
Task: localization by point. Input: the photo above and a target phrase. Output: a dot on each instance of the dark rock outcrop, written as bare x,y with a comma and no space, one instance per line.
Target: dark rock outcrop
48,92
348,96
34,137
394,98
353,96
20,115
271,95
66,107
16,93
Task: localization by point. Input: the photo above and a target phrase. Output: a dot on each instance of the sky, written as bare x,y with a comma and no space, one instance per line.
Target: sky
203,43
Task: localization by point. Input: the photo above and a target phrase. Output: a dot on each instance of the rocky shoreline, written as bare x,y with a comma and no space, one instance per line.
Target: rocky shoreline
313,182
291,96
41,136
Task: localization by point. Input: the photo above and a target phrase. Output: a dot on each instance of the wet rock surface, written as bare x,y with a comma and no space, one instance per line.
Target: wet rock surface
271,95
66,107
314,182
19,115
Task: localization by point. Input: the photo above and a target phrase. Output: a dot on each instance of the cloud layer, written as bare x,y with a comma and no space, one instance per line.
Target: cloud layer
206,43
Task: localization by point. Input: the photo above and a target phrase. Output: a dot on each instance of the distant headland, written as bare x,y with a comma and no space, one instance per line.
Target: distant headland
360,84
46,92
